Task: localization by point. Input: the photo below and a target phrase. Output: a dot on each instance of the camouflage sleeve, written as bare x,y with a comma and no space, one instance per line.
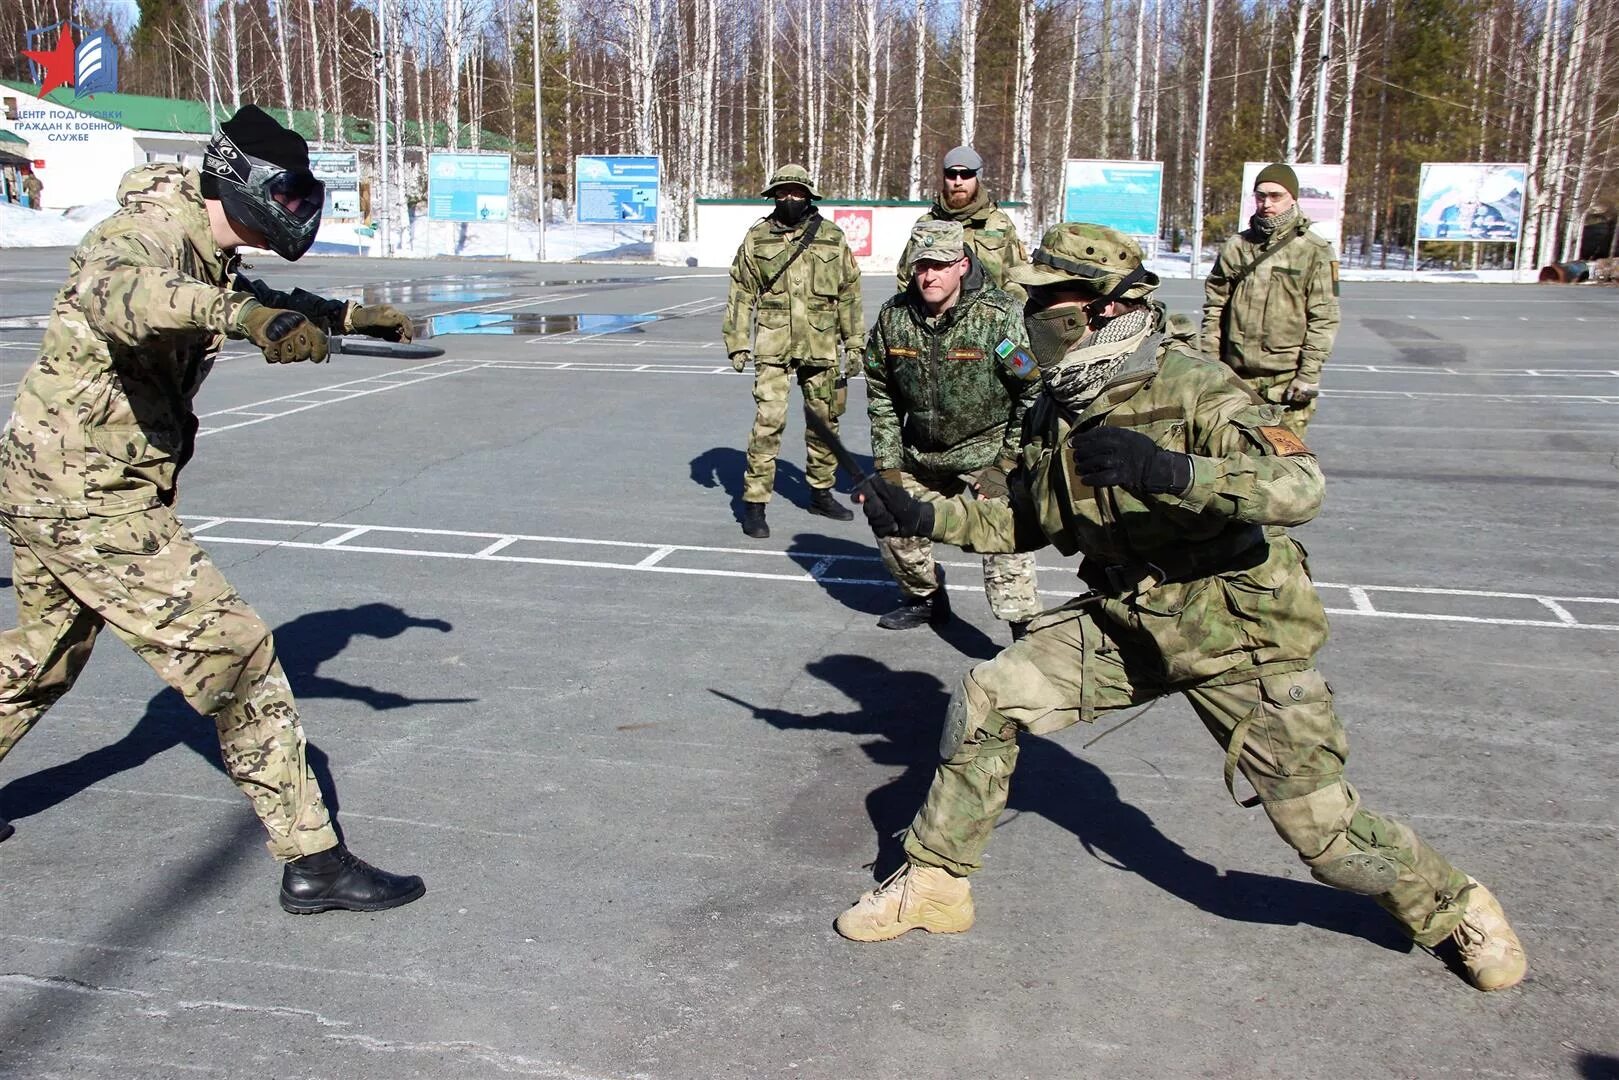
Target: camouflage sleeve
902,272
990,526
1246,466
1216,291
887,449
1320,317
131,296
330,315
851,313
740,302
1023,390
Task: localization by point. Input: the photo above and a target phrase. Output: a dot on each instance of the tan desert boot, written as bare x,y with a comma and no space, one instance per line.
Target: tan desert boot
1490,950
913,896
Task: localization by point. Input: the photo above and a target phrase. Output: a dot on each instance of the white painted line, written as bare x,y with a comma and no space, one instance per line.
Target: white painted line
357,388
350,534
1557,609
503,542
1363,603
656,557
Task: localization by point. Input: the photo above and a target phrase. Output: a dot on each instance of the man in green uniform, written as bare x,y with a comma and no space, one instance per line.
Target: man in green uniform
991,236
794,312
33,191
1176,484
1270,307
948,378
102,425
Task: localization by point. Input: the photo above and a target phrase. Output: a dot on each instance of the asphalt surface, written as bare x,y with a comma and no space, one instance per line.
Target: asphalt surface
643,761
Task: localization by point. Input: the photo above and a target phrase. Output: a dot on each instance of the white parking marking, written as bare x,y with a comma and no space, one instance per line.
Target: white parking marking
288,404
1411,602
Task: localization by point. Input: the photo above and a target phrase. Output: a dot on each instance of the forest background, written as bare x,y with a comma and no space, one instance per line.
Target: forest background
870,93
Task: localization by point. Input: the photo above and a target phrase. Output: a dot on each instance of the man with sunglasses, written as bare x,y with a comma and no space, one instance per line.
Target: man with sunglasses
1270,308
1177,486
102,425
991,236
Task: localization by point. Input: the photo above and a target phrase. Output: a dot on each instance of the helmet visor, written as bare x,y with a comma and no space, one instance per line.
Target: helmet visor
297,192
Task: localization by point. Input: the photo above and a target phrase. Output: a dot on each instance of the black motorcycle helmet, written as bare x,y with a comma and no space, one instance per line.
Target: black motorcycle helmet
259,172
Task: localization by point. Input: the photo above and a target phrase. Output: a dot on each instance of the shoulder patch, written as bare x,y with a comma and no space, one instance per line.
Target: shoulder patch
1283,441
1017,359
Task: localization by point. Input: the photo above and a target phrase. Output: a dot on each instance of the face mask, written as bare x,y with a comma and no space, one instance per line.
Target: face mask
791,211
1052,332
1077,373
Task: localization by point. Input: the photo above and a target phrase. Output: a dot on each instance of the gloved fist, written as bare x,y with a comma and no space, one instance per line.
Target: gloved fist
741,359
892,511
990,482
382,321
1118,457
1299,392
854,360
285,336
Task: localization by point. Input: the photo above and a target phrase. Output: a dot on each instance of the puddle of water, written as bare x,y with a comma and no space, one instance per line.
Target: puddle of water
452,289
528,324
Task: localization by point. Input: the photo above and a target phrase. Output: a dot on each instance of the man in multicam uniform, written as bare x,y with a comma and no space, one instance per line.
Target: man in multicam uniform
102,425
991,235
948,378
1176,484
1270,309
805,298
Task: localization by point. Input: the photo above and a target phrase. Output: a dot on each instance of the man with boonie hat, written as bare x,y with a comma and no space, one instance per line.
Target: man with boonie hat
1176,486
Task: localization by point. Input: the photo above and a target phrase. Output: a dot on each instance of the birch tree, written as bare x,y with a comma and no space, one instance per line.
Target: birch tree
918,67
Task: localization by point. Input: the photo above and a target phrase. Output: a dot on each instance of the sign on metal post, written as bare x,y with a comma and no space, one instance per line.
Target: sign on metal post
1472,202
469,187
1321,197
616,190
340,172
1123,195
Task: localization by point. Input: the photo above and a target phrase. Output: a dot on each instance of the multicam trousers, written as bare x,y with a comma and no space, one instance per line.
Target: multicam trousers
772,383
1009,580
143,575
1271,387
1279,730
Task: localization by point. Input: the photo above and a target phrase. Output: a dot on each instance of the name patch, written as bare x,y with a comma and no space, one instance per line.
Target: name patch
1283,441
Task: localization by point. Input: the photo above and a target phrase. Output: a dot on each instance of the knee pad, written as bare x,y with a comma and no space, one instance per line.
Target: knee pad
1366,872
968,712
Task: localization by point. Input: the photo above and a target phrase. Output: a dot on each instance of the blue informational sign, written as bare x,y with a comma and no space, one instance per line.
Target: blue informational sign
469,187
1123,195
616,189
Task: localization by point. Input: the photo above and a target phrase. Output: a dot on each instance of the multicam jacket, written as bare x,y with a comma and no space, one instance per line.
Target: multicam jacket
1284,316
809,311
1202,587
949,397
991,236
103,420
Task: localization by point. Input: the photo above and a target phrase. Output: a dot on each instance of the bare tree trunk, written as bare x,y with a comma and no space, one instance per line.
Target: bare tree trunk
1323,82
235,58
1295,99
885,105
454,26
770,84
969,69
1136,75
1354,34
283,62
709,118
1073,84
642,51
318,101
1536,181
1582,200
917,68
866,94
337,75
1563,133
1157,71
1270,69
1202,140
1104,107
1023,112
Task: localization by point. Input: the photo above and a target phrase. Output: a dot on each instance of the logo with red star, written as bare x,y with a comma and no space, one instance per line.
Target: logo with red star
90,67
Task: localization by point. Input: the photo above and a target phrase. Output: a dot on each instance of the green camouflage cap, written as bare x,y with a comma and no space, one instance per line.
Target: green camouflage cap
1093,256
790,174
937,241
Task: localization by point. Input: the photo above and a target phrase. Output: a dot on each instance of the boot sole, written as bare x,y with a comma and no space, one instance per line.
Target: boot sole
847,516
907,930
293,906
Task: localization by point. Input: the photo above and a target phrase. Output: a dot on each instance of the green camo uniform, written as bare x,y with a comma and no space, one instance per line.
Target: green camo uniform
810,315
991,237
1281,323
1204,594
946,397
102,424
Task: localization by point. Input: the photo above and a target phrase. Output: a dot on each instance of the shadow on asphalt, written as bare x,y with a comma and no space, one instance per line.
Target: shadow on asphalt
724,466
904,710
303,644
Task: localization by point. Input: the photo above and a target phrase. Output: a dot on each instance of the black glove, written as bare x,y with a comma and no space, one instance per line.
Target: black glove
893,512
990,482
1118,457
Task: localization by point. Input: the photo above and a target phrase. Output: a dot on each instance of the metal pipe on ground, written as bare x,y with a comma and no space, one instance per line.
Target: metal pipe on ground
1564,273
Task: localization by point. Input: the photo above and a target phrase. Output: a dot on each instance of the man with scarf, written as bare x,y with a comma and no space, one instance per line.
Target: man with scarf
1270,308
991,236
794,312
1177,485
103,423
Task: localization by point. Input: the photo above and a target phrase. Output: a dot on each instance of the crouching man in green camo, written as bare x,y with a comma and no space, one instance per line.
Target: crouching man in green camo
1176,484
102,425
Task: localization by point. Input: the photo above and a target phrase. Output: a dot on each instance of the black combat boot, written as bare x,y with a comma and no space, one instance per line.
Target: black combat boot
335,880
753,520
1019,629
822,502
5,829
932,609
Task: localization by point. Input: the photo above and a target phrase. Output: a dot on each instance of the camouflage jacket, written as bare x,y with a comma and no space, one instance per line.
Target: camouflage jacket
103,419
1284,316
948,397
809,311
1199,587
991,237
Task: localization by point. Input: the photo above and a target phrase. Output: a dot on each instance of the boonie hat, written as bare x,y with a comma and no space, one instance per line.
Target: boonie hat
790,174
1093,256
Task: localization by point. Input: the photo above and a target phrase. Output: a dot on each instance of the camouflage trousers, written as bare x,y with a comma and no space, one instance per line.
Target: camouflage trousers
1279,730
772,384
1009,581
1271,387
144,576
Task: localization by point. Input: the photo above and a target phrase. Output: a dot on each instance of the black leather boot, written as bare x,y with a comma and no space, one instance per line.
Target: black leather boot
753,520
335,880
930,610
5,829
822,502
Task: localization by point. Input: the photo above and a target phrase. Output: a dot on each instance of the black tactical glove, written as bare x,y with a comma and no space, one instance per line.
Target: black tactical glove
285,336
1118,457
382,321
893,512
990,482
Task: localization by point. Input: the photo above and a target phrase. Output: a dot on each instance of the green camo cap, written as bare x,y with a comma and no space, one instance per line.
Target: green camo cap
937,241
1093,256
790,174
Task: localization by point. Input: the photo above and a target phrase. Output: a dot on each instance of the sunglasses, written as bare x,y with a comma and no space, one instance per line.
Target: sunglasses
960,174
